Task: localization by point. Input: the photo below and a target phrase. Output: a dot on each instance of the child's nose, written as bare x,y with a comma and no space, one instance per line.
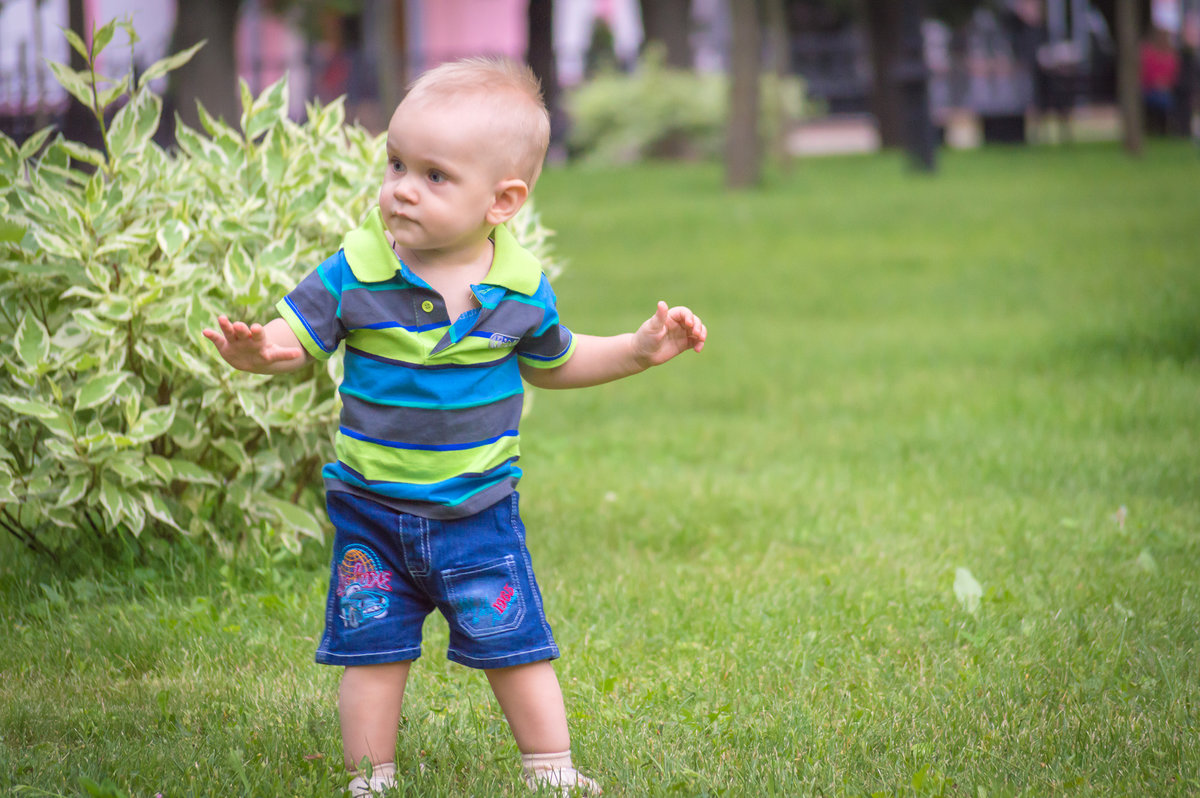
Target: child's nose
405,188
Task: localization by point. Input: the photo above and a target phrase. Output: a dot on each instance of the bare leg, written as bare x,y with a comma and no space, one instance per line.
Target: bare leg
532,702
369,704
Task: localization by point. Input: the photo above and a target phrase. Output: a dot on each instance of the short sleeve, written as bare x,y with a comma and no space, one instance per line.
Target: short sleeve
551,344
312,309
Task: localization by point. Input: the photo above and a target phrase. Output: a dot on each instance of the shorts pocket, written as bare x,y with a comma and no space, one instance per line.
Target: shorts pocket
485,599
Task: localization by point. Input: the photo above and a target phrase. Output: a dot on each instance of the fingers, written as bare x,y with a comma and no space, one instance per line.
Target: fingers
691,324
275,354
699,334
221,339
657,324
234,336
233,332
238,330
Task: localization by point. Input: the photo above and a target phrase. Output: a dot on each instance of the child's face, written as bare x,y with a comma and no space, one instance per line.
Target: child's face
440,182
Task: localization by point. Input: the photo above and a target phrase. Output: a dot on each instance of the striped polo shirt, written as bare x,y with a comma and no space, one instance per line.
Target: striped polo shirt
430,407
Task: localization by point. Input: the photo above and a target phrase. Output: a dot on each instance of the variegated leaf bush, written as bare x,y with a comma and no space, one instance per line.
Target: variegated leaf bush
116,416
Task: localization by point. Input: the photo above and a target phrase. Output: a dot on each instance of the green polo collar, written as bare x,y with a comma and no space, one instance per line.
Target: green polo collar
373,261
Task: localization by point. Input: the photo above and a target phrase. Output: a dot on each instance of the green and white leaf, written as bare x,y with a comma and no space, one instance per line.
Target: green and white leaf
99,389
158,509
172,236
112,501
76,488
152,424
32,342
77,84
169,64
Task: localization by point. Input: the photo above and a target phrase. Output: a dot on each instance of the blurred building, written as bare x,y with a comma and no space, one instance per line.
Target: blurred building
338,55
332,55
1010,59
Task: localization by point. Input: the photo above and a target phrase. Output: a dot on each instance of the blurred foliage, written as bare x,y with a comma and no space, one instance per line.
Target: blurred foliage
655,111
310,15
952,12
117,418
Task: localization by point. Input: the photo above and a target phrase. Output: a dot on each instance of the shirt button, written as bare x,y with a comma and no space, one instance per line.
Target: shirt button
427,306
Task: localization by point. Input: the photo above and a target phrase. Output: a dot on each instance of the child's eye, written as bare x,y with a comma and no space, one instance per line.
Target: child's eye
436,177
396,165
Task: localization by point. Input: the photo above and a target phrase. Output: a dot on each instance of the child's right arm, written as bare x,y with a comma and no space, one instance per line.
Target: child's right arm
273,349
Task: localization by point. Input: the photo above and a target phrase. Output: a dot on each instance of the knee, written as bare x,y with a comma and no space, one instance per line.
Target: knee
375,680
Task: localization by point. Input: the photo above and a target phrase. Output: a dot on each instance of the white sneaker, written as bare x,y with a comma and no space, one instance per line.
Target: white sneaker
568,781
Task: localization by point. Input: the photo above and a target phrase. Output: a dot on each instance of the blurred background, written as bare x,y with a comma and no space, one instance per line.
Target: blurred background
870,73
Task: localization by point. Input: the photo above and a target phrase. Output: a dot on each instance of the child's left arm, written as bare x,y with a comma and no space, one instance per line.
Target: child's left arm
598,359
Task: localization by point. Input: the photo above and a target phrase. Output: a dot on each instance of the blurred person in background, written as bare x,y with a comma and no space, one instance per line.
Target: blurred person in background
1159,76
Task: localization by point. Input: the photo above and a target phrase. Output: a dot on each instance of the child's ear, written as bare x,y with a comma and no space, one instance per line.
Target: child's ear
509,197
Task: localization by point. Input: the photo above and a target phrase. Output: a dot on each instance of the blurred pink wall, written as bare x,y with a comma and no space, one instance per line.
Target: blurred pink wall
455,28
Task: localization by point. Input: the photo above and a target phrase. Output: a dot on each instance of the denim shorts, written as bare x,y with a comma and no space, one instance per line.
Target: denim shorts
391,569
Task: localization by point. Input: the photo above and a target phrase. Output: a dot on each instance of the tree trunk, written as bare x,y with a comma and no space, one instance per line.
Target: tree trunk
541,59
211,76
386,22
742,144
883,22
669,23
79,124
779,47
1129,93
912,79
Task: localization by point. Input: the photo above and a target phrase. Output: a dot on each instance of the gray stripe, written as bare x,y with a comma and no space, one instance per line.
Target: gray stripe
431,427
480,501
515,319
549,344
318,308
362,307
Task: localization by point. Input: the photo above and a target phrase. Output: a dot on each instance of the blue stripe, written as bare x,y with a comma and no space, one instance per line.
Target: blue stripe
509,340
526,300
385,384
391,325
453,447
328,285
422,404
308,327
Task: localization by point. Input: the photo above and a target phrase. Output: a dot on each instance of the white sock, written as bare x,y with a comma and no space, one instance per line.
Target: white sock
532,763
383,777
556,770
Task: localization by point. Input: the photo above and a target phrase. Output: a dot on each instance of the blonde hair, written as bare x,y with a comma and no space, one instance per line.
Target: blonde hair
510,96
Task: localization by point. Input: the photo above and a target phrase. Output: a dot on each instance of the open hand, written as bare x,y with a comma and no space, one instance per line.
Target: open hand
249,348
669,332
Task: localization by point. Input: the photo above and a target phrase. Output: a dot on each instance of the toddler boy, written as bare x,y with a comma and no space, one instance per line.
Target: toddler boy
442,313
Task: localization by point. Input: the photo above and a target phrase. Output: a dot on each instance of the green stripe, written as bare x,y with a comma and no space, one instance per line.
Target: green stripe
395,343
418,467
306,340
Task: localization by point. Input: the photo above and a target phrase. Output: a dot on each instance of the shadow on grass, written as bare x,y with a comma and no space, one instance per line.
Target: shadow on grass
1171,339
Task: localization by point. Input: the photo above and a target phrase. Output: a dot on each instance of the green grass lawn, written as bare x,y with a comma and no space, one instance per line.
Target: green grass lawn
750,555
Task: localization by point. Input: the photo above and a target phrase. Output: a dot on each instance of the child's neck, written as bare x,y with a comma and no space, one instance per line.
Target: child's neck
451,272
